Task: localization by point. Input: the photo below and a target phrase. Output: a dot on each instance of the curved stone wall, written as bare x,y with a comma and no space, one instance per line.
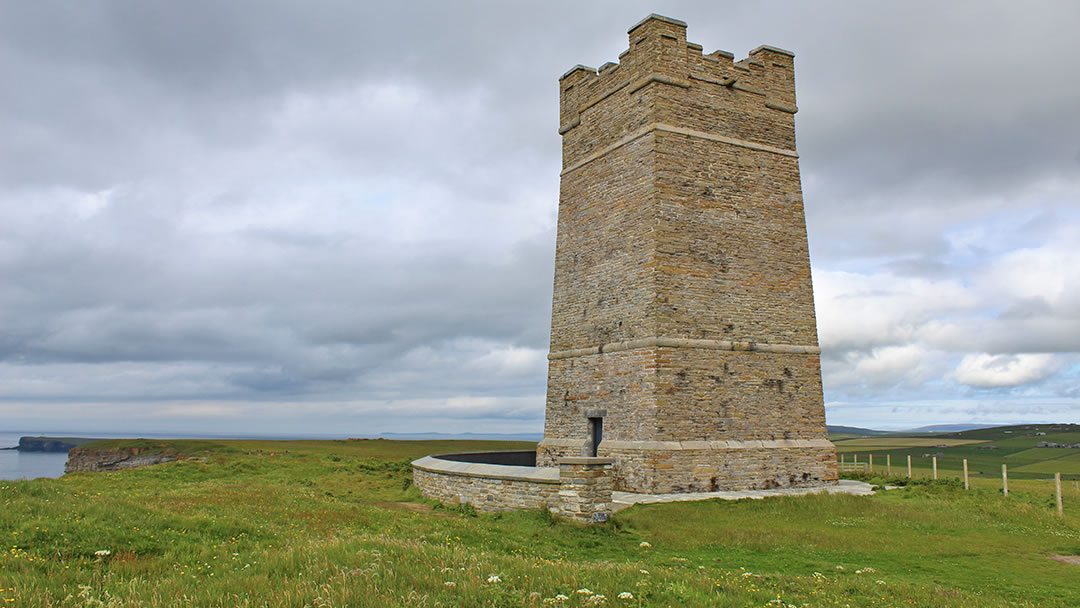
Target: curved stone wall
579,488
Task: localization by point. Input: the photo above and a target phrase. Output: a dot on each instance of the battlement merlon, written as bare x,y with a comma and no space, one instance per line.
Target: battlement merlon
659,52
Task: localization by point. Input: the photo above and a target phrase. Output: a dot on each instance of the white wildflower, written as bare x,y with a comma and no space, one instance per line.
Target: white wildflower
561,597
643,571
494,578
584,591
449,584
626,595
746,574
880,582
839,567
645,544
102,553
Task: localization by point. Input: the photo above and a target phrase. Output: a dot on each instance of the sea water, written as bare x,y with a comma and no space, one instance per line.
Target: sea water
28,465
31,465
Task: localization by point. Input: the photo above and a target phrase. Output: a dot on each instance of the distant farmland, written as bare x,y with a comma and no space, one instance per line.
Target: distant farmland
985,450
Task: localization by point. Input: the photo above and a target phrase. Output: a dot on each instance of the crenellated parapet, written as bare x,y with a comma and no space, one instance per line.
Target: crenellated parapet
663,79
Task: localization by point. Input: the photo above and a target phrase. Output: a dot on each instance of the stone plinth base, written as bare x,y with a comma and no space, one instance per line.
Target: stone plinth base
667,467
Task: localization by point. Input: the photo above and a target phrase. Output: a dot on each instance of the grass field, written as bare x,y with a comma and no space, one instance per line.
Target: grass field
985,450
337,523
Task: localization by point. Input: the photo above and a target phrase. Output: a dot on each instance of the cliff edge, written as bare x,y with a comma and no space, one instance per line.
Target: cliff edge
95,459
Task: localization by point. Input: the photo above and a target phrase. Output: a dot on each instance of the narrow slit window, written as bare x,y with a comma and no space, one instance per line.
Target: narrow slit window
596,431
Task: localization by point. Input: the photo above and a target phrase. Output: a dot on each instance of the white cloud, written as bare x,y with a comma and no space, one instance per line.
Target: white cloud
858,311
1050,272
512,361
892,363
983,370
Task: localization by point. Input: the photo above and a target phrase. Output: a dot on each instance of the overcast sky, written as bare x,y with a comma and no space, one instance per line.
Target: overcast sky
327,217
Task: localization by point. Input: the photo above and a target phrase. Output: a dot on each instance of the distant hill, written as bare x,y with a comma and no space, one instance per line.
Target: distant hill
835,429
948,428
1019,430
959,429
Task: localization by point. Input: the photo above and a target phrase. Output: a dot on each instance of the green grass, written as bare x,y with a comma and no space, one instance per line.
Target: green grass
337,523
1014,446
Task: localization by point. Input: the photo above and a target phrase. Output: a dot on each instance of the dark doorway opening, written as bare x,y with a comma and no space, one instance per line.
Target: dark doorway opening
596,430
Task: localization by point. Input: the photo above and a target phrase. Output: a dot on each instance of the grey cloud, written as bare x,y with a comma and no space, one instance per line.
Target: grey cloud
350,203
1026,308
921,267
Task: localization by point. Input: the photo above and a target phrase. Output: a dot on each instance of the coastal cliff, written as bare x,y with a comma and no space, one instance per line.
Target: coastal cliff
93,459
51,444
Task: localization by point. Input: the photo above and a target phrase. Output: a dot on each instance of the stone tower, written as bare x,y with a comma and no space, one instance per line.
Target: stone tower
683,338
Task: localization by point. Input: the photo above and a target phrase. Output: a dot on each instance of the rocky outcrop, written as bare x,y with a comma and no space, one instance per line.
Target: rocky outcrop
51,444
1051,444
93,460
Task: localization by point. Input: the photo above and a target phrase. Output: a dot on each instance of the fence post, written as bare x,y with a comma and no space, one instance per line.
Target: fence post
909,466
935,467
871,464
1005,479
888,464
966,487
841,458
1057,488
856,457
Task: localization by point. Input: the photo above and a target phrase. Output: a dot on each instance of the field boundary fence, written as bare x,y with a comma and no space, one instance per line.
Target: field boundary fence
866,466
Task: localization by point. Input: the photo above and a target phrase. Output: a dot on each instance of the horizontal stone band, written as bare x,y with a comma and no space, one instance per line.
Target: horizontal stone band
647,129
613,347
725,82
783,107
662,79
742,143
570,125
744,444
